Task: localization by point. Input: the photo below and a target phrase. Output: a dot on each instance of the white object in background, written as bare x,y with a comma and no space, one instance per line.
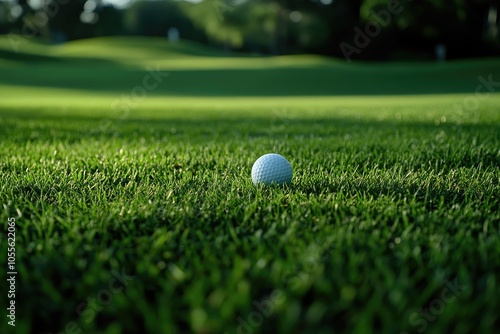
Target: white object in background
440,52
173,35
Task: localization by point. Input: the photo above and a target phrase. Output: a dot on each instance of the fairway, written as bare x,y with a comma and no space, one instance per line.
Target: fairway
136,213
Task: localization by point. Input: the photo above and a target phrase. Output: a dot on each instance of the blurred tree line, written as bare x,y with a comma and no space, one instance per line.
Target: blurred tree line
356,29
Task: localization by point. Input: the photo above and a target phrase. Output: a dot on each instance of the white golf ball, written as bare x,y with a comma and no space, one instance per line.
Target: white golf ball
272,168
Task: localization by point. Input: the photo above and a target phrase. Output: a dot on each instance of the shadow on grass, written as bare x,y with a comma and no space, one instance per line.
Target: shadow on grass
43,59
106,76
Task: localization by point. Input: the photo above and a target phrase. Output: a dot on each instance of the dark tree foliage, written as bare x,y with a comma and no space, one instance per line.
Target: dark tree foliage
331,27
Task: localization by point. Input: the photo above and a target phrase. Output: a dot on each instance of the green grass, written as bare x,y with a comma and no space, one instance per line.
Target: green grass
394,195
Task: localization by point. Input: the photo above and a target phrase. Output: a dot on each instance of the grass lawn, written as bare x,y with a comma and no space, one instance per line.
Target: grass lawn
136,212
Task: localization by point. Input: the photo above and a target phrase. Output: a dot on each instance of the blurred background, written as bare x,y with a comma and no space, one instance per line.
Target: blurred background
421,30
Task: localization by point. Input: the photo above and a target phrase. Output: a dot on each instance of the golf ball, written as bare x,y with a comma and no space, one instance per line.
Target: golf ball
271,168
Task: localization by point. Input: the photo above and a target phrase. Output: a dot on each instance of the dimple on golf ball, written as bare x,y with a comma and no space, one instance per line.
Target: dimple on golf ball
271,168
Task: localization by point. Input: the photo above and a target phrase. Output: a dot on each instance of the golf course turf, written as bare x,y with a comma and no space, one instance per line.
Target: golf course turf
135,210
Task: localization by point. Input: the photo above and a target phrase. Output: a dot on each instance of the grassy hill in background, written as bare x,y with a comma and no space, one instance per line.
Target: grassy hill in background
116,65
